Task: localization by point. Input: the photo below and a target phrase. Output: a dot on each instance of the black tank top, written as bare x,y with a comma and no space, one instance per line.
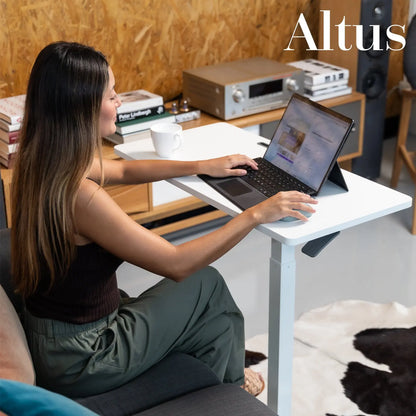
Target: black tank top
87,293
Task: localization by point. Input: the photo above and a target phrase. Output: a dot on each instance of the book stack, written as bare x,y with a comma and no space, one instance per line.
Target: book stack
323,80
139,110
11,116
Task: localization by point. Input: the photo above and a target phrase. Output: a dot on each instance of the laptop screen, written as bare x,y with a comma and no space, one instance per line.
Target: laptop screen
307,140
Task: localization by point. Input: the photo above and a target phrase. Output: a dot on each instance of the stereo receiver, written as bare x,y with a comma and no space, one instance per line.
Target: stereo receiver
239,88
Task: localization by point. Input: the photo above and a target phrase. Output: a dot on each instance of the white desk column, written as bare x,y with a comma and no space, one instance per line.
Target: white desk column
281,319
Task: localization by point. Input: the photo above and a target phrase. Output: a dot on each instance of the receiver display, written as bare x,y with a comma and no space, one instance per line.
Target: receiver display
269,87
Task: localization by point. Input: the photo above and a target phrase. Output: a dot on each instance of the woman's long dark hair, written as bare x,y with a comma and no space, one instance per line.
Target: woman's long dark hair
58,140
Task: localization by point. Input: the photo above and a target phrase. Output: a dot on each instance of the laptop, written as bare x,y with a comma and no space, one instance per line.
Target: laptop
301,155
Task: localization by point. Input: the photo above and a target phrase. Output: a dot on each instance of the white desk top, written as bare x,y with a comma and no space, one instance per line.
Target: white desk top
337,210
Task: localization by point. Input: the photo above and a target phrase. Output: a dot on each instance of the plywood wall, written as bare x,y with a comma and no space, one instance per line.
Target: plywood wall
148,42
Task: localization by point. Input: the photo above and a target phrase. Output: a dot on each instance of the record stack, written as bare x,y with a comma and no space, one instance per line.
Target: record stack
11,116
323,80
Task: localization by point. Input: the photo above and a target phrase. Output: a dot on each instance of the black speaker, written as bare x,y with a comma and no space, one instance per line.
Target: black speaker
372,73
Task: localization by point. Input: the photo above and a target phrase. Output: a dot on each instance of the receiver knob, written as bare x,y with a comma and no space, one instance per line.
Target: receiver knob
238,95
292,85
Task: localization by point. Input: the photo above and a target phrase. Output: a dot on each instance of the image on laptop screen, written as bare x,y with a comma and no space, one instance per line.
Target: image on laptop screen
306,141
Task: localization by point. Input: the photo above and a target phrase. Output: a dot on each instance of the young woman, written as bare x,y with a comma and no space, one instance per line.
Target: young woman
69,237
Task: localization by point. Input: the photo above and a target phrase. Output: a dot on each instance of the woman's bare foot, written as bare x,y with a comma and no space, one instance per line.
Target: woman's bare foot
253,382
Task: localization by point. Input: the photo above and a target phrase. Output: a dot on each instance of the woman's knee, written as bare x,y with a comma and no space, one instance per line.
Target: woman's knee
206,272
209,276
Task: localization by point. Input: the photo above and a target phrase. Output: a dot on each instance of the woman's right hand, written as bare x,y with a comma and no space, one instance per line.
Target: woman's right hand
281,205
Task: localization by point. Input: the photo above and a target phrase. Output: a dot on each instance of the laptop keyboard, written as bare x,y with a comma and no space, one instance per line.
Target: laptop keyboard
270,180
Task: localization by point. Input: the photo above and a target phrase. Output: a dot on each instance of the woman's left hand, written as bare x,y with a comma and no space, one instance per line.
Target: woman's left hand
227,166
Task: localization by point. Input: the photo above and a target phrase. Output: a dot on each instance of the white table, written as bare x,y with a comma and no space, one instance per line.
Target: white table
336,211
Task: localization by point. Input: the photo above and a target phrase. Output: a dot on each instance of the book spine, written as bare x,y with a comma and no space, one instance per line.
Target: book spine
7,148
326,78
9,137
319,72
115,138
139,114
321,91
342,82
130,137
6,163
7,160
345,91
12,109
129,106
143,124
4,125
11,118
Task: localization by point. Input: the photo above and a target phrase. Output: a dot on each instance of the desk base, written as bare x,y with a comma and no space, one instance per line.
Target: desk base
281,331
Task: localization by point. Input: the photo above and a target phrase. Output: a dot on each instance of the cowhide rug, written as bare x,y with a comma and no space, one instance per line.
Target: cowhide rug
352,358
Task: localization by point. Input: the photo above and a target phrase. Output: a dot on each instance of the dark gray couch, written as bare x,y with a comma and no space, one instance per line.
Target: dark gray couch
179,385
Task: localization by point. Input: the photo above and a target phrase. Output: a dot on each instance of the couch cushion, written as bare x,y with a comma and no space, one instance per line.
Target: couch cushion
17,399
15,359
220,400
176,375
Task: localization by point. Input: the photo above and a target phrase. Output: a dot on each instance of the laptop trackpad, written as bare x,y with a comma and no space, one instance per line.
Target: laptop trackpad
235,187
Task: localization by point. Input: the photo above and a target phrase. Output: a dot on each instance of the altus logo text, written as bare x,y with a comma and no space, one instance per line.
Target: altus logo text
374,38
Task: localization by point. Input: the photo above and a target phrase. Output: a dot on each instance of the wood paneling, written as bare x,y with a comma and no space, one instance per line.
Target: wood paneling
149,42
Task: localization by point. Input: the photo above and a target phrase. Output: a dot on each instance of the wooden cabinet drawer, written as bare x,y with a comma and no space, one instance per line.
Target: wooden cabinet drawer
131,198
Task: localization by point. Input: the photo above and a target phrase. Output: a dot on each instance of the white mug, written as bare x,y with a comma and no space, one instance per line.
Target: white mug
166,138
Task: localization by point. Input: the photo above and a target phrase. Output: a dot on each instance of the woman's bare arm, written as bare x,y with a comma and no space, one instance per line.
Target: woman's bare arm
100,219
145,171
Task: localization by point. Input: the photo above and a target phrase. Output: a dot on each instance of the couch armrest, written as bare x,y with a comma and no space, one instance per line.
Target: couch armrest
15,360
172,377
221,400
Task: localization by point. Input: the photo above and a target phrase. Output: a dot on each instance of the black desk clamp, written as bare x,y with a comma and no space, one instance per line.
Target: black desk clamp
314,247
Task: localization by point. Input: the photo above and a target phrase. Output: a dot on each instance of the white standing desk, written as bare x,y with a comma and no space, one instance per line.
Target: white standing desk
336,211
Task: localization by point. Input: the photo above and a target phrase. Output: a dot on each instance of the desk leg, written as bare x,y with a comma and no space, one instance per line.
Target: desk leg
281,331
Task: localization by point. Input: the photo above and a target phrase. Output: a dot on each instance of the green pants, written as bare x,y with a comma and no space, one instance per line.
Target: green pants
197,316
